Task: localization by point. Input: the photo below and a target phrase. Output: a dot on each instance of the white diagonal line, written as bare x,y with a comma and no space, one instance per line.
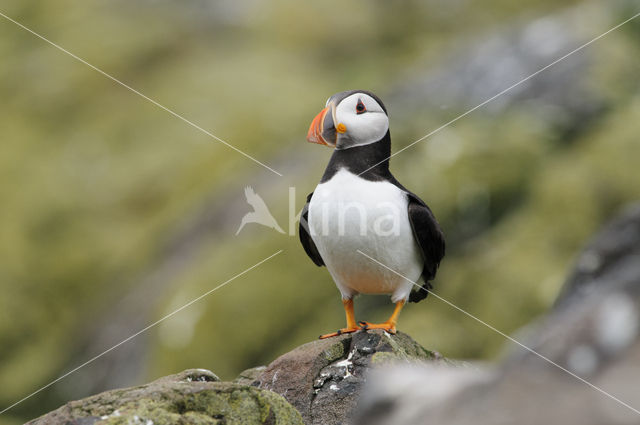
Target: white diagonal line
114,79
504,91
140,331
532,351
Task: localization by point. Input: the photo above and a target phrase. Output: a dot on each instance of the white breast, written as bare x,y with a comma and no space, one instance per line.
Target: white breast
347,214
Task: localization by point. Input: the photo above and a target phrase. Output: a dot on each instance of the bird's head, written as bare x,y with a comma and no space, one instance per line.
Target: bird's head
349,119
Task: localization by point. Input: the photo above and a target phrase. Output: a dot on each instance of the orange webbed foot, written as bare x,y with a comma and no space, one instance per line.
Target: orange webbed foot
341,332
386,326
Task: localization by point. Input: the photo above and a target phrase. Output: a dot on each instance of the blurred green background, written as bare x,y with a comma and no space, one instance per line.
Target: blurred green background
113,213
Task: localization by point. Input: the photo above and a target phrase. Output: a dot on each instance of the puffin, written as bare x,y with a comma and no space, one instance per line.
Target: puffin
373,235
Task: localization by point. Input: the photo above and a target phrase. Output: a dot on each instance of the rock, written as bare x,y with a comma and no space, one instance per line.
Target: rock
195,396
581,365
323,379
612,256
400,394
250,376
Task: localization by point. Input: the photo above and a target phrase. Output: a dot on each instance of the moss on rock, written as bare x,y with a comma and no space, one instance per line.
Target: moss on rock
193,397
401,347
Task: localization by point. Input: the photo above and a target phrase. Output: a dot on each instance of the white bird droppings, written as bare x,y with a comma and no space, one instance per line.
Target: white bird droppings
113,414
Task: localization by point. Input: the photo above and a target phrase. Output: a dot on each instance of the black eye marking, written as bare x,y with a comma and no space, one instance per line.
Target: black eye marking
360,108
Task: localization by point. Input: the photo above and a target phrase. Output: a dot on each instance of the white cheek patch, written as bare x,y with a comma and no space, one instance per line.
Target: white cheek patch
364,128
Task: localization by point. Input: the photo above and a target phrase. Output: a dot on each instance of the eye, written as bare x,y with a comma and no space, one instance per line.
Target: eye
360,108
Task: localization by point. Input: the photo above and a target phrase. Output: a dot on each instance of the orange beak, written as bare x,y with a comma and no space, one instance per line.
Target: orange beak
321,129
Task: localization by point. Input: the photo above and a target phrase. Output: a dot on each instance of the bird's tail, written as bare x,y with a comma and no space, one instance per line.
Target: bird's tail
421,293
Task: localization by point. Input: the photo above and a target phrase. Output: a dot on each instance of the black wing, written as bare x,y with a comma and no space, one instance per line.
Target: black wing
430,239
305,237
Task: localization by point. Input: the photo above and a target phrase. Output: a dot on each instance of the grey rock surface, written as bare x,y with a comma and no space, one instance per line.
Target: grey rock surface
611,257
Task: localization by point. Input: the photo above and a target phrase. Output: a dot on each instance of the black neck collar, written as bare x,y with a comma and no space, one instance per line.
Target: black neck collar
371,162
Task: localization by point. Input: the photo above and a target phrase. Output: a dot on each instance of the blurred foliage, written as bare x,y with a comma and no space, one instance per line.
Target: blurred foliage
104,193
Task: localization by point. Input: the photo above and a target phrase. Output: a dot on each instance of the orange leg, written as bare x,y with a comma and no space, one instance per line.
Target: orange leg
389,325
351,321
